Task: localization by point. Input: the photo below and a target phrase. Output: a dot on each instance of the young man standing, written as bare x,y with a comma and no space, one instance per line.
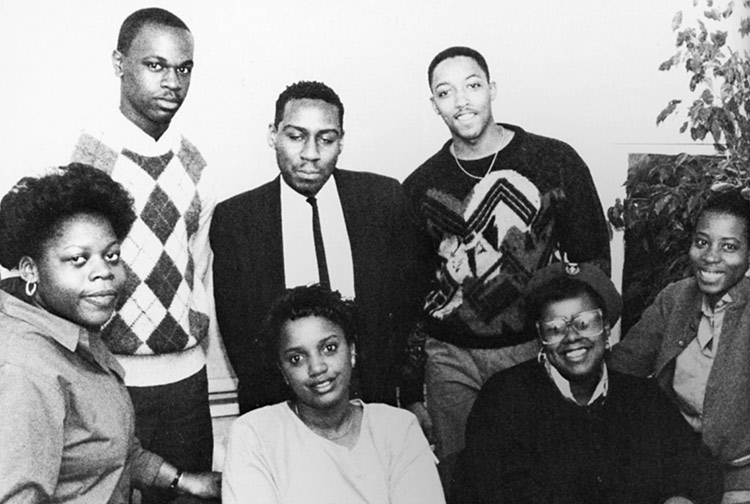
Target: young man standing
349,230
497,203
157,331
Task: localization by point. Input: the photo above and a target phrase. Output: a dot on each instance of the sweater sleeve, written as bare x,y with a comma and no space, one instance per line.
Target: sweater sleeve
200,246
498,464
636,353
584,234
414,478
247,475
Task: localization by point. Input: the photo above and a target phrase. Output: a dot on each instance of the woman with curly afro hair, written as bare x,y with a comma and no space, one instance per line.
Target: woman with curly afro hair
67,431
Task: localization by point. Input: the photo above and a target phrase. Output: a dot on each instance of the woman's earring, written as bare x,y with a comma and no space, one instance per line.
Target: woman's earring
354,359
607,345
31,288
541,357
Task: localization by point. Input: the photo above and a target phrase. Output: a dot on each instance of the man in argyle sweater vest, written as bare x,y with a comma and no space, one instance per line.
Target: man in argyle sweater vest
157,331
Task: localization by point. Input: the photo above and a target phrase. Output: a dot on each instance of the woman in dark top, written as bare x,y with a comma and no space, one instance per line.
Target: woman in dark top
564,428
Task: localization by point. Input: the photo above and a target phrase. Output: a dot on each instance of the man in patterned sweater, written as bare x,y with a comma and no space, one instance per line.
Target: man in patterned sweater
157,331
497,203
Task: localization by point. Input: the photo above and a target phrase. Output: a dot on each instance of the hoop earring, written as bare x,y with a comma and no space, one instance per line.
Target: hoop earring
541,357
31,288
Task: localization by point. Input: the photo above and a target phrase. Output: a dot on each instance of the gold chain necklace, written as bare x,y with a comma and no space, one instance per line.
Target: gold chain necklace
477,177
471,174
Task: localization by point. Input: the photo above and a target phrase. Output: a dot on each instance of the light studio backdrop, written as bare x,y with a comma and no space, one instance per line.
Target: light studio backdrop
583,71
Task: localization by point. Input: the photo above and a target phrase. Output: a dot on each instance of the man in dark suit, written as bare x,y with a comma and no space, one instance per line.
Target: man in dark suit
266,240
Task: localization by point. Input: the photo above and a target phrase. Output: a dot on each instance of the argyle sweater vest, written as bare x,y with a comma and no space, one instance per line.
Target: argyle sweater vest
159,312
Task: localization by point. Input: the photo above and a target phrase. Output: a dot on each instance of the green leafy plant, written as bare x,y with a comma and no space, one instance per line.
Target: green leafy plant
665,192
719,79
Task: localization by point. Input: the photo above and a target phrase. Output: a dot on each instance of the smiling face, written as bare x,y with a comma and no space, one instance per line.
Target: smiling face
576,357
155,76
79,273
307,141
719,253
462,96
316,361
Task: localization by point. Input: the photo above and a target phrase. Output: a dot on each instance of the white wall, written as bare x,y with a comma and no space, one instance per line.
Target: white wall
584,71
581,70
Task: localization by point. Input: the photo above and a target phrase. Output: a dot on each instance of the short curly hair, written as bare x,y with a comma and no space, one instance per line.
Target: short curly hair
31,212
730,202
308,301
308,90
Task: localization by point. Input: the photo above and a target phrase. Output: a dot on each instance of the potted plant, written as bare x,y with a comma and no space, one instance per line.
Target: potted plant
664,192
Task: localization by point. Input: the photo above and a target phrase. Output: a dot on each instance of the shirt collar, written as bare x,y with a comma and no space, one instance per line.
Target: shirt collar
563,385
721,305
130,136
68,334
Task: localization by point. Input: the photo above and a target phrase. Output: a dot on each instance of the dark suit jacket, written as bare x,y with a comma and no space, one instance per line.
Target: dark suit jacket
248,270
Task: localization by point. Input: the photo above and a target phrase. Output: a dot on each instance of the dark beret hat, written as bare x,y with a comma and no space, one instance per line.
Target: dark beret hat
586,273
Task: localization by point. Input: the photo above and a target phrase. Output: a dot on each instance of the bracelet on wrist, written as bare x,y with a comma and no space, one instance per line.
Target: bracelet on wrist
176,480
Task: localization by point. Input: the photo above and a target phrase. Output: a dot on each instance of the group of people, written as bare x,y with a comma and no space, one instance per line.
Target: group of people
468,308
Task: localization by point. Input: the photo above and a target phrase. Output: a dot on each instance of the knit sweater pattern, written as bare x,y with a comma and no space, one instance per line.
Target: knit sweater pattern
164,307
489,236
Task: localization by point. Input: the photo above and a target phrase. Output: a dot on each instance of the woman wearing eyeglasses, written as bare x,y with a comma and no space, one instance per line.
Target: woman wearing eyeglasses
566,429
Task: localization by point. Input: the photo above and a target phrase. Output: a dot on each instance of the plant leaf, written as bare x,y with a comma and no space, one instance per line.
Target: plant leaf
707,96
728,11
719,38
704,32
712,14
745,27
683,127
667,110
677,20
698,132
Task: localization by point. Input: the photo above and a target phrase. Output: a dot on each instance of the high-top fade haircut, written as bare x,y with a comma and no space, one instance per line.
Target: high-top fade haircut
137,20
311,90
453,52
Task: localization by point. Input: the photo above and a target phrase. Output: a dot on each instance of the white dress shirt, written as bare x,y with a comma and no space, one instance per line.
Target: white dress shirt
300,263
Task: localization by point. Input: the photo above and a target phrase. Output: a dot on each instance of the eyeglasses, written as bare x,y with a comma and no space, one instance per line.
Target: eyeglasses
588,324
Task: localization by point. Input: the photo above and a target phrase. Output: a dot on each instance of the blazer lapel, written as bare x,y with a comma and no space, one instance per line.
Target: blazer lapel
270,246
354,207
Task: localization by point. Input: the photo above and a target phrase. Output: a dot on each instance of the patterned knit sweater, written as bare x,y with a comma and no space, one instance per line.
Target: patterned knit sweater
164,314
489,236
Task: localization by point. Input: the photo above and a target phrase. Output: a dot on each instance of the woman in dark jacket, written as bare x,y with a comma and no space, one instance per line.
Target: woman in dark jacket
565,428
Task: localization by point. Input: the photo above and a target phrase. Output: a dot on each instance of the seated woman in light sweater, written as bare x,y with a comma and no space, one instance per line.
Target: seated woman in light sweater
322,446
695,339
